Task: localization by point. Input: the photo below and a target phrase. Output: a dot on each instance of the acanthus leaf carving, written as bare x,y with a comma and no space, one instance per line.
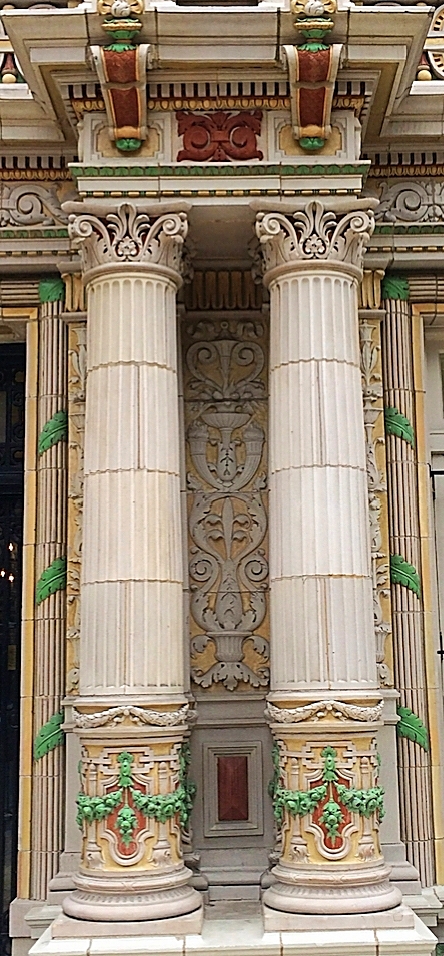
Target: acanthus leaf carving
126,236
314,234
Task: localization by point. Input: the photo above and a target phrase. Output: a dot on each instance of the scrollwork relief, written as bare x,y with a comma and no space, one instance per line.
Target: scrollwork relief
31,205
226,431
411,201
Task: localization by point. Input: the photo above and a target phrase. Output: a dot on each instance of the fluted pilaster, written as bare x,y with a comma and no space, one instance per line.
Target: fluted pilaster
404,535
325,701
132,714
49,647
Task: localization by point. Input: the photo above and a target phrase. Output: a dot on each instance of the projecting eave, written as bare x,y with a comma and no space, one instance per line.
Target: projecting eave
52,47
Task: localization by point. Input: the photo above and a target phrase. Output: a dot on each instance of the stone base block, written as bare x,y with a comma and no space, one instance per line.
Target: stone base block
245,936
65,927
401,917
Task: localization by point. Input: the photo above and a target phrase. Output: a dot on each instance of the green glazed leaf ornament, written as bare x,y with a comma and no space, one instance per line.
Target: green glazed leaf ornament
401,572
51,580
52,289
397,424
49,736
54,431
412,727
395,287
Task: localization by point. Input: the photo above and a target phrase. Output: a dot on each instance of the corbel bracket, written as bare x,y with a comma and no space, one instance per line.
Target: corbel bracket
121,68
312,69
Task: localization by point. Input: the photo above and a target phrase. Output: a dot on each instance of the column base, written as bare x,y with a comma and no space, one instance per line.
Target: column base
114,898
345,890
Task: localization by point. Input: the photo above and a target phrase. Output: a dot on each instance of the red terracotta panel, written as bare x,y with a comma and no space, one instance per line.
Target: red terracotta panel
232,787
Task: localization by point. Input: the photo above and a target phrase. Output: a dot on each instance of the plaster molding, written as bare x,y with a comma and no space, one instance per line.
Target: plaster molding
321,709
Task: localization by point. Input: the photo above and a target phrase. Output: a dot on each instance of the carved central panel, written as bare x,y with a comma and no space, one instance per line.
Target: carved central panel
226,425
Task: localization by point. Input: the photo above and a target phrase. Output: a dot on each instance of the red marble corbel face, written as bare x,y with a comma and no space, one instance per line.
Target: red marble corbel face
122,75
312,75
219,137
312,68
121,68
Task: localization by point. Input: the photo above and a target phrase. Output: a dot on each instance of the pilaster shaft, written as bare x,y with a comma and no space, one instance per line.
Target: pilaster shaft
323,663
49,667
131,710
405,549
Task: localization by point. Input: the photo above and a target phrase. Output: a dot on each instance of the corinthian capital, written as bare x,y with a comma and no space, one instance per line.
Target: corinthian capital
126,236
314,234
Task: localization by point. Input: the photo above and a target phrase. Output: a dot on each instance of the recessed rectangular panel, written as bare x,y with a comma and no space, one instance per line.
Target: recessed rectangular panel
232,787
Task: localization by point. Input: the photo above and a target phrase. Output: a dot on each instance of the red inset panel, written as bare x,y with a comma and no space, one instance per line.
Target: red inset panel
126,107
311,106
232,787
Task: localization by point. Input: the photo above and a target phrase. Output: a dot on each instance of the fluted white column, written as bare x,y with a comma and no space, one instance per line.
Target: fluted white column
319,554
132,576
325,702
131,710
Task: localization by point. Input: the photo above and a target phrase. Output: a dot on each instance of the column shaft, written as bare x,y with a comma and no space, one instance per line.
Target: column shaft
132,575
319,554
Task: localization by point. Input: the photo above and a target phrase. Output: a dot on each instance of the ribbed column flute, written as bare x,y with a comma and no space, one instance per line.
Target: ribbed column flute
405,546
132,711
49,666
324,705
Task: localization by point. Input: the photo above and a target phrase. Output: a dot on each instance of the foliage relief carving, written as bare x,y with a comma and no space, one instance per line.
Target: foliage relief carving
227,518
